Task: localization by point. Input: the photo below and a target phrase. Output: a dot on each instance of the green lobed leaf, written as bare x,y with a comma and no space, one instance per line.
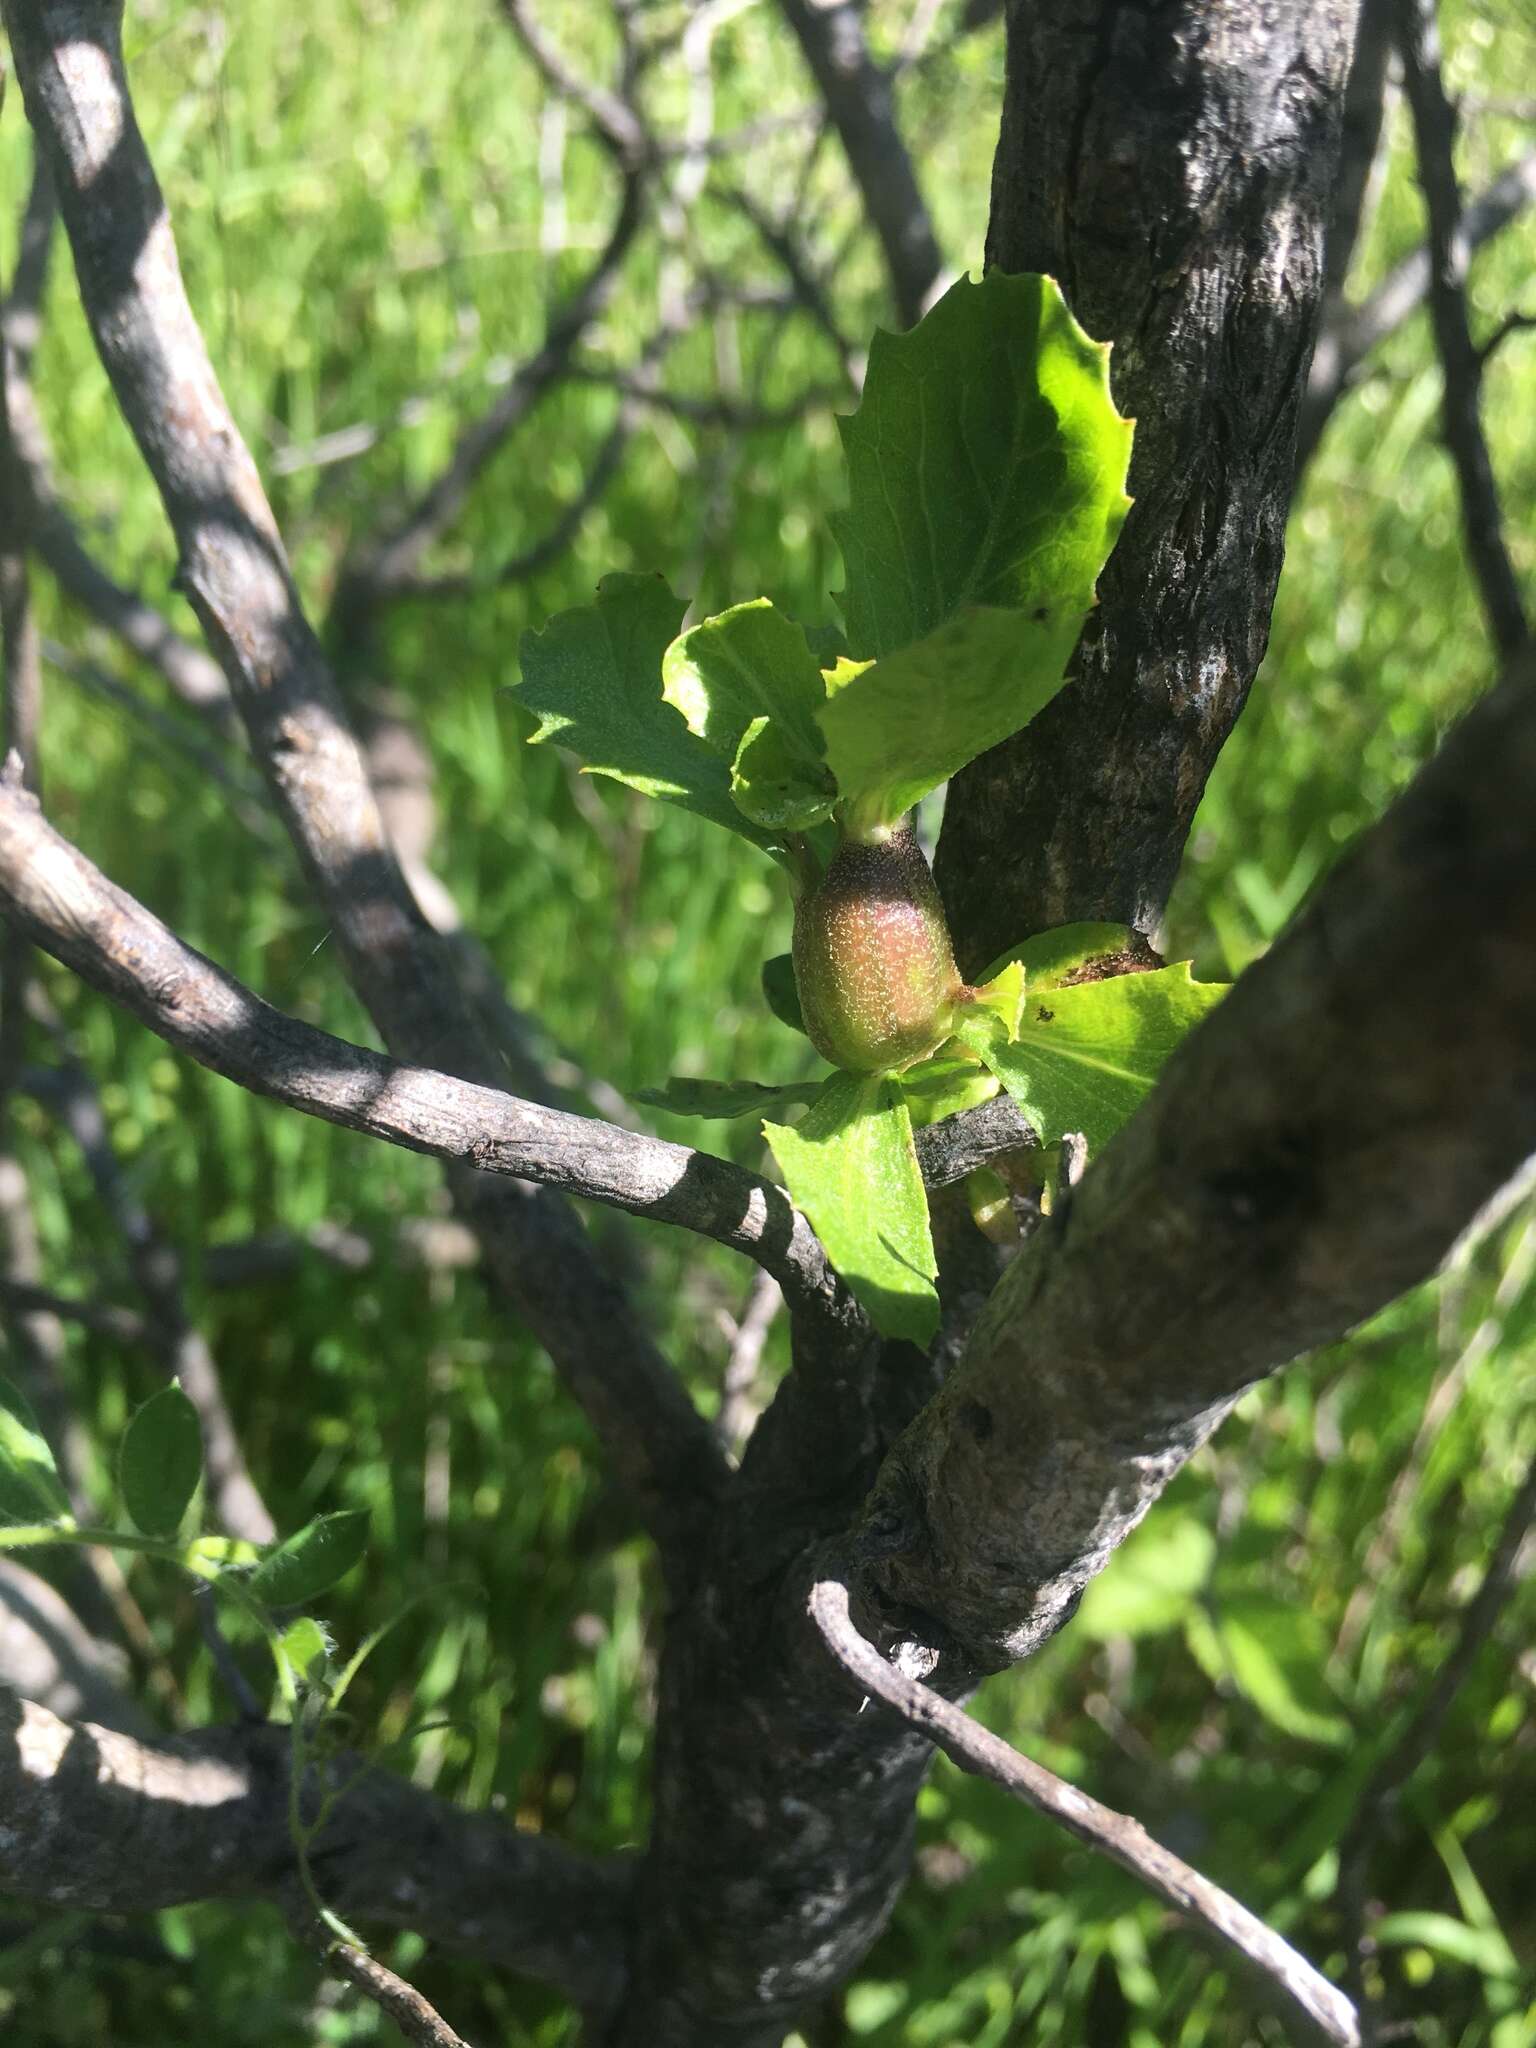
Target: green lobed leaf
592,678
323,1551
1003,994
852,1167
1052,957
898,727
945,1086
161,1462
781,991
1086,1057
746,663
684,1096
774,785
986,466
30,1486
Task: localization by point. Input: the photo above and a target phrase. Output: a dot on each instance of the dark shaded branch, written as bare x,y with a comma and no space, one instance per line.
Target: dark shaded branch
613,119
101,1318
1434,127
1116,1835
1360,154
1173,167
54,895
69,60
385,566
1349,336
550,546
98,1822
859,101
1312,1150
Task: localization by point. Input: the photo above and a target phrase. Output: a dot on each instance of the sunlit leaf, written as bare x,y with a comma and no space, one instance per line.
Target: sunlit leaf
745,663
900,726
986,466
323,1551
1087,1056
592,678
30,1486
852,1167
775,785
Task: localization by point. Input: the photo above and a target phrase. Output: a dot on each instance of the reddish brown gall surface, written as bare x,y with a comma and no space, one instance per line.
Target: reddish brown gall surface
873,961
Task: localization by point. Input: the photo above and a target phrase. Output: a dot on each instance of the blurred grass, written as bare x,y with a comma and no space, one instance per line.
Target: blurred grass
356,197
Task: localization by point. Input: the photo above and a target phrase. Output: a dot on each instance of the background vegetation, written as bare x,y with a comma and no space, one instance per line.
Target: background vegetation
372,210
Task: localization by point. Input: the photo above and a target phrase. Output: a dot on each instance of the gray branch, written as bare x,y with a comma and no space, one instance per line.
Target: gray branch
1349,337
68,57
56,897
96,1821
1311,1151
1116,1835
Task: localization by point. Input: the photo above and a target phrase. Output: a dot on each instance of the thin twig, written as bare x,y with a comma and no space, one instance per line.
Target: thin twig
1349,334
384,565
748,1335
613,120
1381,1790
1434,125
416,2019
1124,1840
68,56
67,1092
101,1318
67,906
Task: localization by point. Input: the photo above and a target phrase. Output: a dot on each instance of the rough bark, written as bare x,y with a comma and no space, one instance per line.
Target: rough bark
1172,166
1312,1151
1269,1196
98,1821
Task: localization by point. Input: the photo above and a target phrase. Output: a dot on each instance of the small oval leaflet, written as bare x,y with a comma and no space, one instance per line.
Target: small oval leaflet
161,1462
323,1551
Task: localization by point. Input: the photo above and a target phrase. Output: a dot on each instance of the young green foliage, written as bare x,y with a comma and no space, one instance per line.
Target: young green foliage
1087,1051
322,1552
851,1165
30,1485
986,472
986,466
592,678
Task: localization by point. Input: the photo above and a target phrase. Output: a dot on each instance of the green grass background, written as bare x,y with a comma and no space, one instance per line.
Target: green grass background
356,193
